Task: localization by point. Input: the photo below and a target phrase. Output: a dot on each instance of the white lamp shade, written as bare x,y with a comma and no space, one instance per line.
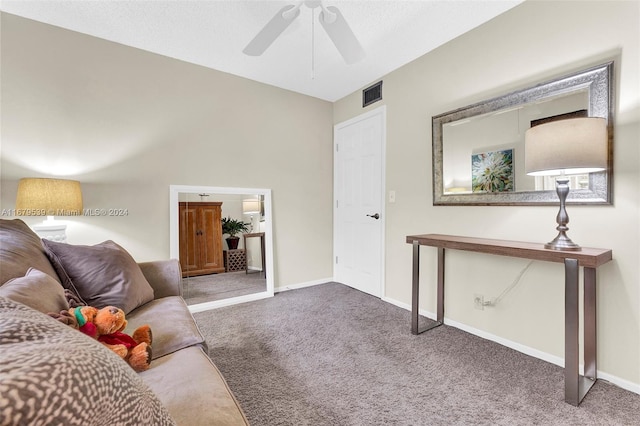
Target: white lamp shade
251,206
48,197
572,146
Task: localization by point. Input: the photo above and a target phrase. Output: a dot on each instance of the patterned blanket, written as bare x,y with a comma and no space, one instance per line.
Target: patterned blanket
51,374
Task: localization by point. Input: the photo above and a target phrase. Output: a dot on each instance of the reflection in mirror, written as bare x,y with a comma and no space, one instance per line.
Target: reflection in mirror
222,238
478,151
478,138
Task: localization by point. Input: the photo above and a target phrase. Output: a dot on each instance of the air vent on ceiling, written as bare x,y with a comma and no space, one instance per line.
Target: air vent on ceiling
372,94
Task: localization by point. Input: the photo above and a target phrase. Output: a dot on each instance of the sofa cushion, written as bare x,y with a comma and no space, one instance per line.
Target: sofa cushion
171,323
164,276
193,390
21,249
101,275
37,290
53,374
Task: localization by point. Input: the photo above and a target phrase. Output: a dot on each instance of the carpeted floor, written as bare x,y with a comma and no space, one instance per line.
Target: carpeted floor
331,355
207,288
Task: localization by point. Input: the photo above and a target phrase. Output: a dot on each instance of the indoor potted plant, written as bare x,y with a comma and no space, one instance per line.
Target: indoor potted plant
232,227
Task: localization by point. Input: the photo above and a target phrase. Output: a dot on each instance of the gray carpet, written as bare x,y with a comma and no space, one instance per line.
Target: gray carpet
331,355
207,288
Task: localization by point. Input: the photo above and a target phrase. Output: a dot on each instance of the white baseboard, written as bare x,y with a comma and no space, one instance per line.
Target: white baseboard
553,359
624,384
302,285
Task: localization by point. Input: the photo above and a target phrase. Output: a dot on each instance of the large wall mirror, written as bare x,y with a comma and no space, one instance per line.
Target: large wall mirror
217,271
492,132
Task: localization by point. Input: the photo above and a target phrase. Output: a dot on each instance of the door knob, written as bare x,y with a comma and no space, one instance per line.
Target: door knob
375,216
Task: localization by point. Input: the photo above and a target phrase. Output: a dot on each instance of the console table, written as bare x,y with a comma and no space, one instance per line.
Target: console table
262,251
576,386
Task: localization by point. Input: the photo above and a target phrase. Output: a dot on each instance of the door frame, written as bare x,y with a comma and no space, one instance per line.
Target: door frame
382,112
174,238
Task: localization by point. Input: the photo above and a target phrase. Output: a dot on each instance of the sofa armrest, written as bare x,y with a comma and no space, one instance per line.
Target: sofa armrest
165,276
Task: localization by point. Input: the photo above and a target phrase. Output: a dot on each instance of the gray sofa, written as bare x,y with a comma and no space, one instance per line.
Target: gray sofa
182,384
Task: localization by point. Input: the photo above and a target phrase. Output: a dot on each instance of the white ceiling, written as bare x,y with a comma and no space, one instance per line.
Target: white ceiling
213,33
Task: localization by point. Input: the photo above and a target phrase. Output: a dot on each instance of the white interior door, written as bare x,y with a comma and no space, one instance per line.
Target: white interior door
359,201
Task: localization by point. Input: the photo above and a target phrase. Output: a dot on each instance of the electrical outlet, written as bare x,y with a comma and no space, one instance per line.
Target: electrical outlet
478,302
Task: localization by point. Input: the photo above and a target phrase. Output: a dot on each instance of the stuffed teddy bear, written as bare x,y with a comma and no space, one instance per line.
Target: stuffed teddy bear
106,325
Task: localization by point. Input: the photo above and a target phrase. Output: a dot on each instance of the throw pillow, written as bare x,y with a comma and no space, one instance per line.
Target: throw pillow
37,290
101,275
52,374
21,249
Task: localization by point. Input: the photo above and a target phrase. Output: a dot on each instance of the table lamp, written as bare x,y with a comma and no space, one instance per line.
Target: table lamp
564,147
251,206
49,197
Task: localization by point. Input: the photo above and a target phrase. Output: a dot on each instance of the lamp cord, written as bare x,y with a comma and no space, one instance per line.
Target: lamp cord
512,285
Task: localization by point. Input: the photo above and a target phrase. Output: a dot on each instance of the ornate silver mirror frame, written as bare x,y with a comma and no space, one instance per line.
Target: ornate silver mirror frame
596,82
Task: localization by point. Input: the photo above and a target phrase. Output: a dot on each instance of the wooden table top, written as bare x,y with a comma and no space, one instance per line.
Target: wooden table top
587,257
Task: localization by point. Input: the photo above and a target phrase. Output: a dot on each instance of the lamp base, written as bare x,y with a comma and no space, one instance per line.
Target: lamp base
562,242
52,230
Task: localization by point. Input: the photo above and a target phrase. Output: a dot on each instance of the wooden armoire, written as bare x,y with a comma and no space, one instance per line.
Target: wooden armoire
200,238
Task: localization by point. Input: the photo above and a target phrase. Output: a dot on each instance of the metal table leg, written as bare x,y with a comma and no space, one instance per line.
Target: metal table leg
440,307
415,288
590,337
575,385
415,291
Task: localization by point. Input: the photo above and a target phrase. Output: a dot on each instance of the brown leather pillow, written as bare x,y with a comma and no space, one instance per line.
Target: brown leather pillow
101,275
36,290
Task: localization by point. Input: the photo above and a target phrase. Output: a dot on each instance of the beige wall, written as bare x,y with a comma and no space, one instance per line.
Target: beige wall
127,124
510,52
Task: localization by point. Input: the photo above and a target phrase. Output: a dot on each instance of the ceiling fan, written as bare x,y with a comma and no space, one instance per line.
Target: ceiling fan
331,20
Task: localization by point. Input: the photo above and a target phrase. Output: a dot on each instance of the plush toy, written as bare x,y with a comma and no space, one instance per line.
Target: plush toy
106,326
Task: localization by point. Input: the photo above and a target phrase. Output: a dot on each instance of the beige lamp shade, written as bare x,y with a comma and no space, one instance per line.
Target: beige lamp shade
48,197
250,206
572,146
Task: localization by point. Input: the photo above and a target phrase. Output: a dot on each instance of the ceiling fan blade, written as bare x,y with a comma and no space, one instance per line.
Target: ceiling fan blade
342,36
271,31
